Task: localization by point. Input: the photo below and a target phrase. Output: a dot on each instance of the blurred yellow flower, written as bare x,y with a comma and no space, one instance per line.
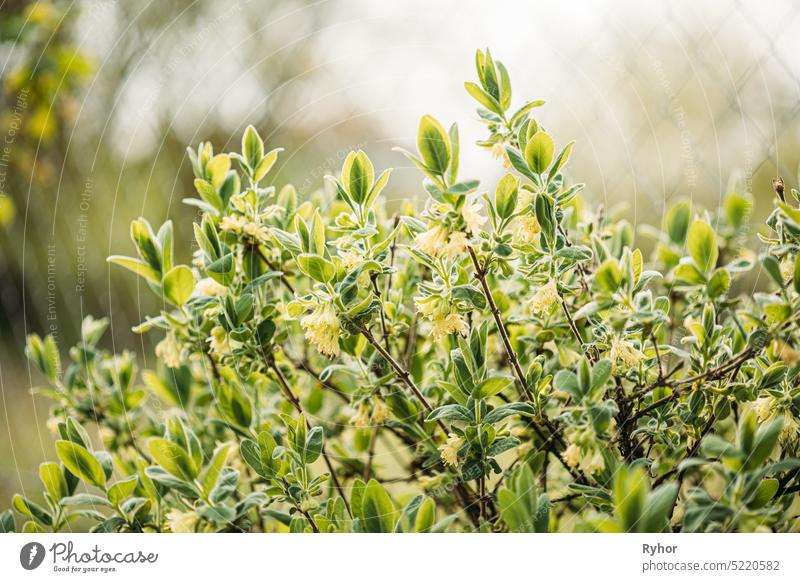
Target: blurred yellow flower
322,329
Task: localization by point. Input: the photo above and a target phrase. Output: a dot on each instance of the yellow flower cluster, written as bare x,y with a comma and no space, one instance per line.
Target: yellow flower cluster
624,351
169,351
209,288
449,450
590,461
768,408
181,521
445,319
544,299
322,329
528,229
239,225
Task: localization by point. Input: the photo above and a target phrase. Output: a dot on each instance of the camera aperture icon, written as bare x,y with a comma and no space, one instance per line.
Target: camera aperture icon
31,555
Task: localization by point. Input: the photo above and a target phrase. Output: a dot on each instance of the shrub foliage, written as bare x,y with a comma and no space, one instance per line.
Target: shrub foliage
505,360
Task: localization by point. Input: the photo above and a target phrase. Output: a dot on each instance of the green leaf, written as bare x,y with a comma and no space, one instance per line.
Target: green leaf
81,463
561,160
523,110
797,275
137,266
630,495
539,152
505,196
53,480
608,276
173,458
450,412
426,516
209,194
483,98
121,490
719,283
316,267
765,440
501,412
702,244
215,467
377,509
266,163
313,445
764,493
358,174
677,221
491,386
178,284
217,169
30,509
773,269
658,507
434,145
7,524
252,147
469,294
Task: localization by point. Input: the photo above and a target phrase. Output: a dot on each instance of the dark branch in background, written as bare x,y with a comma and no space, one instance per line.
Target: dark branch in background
480,274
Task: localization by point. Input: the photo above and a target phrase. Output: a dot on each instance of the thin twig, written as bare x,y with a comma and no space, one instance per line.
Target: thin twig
299,407
272,267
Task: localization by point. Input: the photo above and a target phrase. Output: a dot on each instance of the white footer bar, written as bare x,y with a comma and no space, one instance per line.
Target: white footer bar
382,558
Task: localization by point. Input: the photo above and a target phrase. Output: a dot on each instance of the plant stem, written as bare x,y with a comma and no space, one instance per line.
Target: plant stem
272,267
299,407
401,372
480,274
371,453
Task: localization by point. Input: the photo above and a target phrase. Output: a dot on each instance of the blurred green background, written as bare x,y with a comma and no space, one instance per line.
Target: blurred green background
99,99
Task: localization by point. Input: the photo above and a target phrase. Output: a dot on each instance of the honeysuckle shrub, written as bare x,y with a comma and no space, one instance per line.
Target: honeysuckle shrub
490,359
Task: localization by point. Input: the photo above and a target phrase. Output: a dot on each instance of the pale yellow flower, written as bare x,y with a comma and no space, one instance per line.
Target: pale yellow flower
210,288
380,412
473,217
233,224
785,352
169,351
456,245
322,329
623,351
544,299
572,455
790,433
449,450
350,260
499,151
593,464
361,418
219,342
427,306
256,231
528,229
181,522
763,408
450,323
787,268
433,240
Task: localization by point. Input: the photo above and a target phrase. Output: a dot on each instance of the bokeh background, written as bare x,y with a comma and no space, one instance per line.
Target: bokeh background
99,99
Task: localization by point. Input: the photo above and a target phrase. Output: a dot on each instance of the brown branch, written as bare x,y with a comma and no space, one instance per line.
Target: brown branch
480,274
402,373
272,267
